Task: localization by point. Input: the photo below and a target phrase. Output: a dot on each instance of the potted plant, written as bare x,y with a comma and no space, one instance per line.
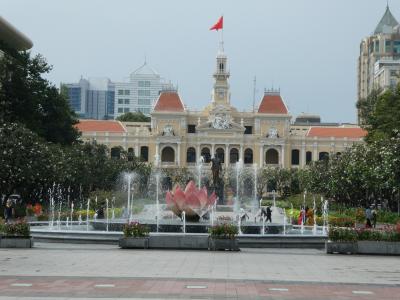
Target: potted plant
15,235
223,237
136,235
341,240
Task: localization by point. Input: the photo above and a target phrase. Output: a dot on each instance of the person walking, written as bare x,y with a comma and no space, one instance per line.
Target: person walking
8,211
368,216
269,214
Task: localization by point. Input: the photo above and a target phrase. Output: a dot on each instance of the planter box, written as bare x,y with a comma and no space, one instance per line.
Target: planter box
223,244
134,243
379,247
7,242
180,241
341,247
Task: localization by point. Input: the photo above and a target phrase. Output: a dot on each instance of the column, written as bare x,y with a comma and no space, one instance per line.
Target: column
283,156
212,150
303,155
261,156
198,153
227,155
179,154
157,158
241,153
137,154
315,154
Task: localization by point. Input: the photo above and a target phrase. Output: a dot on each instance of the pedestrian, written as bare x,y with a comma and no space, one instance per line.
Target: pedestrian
8,211
368,216
269,214
374,216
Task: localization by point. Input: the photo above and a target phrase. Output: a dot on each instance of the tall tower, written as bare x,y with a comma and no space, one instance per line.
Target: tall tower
220,93
381,48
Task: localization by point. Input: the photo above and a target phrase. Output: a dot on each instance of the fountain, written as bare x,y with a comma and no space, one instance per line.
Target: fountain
87,214
238,170
325,215
107,214
255,201
199,170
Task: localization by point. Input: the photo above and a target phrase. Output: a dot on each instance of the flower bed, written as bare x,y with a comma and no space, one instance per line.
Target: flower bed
136,235
365,241
223,237
15,235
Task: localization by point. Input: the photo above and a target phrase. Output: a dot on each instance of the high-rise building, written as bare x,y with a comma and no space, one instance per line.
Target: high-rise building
139,93
378,63
92,98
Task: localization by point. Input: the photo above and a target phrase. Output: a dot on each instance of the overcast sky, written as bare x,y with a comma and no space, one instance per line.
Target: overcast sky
308,48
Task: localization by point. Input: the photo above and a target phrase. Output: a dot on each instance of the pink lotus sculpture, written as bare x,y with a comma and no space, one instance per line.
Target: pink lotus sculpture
193,201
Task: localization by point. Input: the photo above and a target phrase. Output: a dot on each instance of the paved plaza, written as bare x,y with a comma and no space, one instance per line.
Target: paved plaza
73,271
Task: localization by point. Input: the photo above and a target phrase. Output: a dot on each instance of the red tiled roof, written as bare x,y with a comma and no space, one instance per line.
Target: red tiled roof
337,132
99,125
169,101
272,104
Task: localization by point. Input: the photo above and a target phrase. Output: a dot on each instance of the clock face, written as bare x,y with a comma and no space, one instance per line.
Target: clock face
273,132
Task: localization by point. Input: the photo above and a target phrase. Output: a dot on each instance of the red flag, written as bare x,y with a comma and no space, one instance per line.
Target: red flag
219,24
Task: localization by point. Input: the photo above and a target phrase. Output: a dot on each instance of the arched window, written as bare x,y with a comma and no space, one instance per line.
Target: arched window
295,157
131,154
233,156
221,155
323,155
308,157
167,154
115,153
205,152
144,153
248,156
272,157
191,155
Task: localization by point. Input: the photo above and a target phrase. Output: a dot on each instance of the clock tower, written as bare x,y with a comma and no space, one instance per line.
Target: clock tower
220,92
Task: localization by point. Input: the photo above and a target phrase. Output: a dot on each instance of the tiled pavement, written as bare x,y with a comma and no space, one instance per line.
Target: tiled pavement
62,271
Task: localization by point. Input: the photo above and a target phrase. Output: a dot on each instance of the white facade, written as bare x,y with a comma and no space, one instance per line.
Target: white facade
139,94
386,74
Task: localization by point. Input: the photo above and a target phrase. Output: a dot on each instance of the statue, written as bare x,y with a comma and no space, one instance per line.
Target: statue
216,168
218,183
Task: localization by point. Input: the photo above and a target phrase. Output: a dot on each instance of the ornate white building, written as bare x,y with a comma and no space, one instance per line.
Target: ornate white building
178,137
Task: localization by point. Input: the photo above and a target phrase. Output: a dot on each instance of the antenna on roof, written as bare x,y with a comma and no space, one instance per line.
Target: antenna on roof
145,59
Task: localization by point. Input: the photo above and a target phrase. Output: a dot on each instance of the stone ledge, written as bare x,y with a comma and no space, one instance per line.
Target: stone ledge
6,242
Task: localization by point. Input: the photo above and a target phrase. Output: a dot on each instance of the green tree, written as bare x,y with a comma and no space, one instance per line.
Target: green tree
380,114
133,117
28,98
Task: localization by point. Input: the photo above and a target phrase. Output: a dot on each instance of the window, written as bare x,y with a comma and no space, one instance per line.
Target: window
205,152
126,109
168,154
143,101
295,157
396,47
144,110
248,156
144,83
144,92
131,154
376,46
249,130
221,67
120,92
191,128
233,156
272,157
120,110
323,156
127,92
115,153
191,155
221,155
144,153
308,157
393,73
120,101
388,46
126,101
